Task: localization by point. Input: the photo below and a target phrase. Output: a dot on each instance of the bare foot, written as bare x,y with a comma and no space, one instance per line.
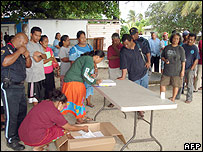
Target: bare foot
70,136
38,149
172,99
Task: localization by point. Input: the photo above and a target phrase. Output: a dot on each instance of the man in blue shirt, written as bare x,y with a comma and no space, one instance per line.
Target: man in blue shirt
192,57
155,45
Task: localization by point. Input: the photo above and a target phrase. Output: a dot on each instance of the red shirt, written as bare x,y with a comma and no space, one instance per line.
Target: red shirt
200,52
41,117
113,63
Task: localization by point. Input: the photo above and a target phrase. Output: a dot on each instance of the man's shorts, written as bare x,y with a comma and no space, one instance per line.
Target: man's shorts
36,91
175,81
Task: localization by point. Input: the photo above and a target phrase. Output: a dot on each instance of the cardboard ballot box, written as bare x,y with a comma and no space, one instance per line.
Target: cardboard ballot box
105,143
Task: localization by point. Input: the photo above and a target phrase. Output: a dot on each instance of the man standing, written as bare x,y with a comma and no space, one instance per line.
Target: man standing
185,36
35,74
164,43
131,61
134,34
113,55
154,44
192,56
14,60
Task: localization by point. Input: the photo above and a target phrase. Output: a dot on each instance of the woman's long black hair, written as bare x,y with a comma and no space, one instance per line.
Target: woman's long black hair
99,53
63,38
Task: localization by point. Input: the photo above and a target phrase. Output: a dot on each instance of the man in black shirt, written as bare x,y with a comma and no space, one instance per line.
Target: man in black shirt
14,60
131,61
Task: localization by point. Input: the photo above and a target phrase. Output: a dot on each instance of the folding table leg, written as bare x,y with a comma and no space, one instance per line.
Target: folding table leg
134,133
102,108
151,120
131,140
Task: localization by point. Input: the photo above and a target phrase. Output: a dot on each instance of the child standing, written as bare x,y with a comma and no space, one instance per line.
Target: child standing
64,57
48,65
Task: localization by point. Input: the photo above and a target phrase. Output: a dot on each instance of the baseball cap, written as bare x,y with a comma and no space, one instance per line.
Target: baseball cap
185,33
165,33
133,30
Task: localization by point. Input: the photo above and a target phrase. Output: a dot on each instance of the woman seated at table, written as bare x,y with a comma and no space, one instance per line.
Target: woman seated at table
44,122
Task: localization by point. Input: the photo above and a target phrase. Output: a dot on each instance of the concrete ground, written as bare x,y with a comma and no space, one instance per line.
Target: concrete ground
172,128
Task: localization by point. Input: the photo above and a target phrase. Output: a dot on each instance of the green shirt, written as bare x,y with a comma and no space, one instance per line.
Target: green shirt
80,71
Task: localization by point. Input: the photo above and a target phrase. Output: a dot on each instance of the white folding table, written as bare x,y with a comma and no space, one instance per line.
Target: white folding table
128,96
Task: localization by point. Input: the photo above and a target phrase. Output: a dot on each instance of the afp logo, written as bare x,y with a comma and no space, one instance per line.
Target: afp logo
192,146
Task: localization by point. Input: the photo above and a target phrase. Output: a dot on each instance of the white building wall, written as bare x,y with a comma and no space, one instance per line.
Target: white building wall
51,27
9,28
103,30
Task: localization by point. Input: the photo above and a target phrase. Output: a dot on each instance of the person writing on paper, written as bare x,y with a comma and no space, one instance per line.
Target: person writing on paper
73,86
74,53
173,56
44,122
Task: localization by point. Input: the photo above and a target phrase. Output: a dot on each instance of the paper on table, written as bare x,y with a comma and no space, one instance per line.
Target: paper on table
108,83
89,134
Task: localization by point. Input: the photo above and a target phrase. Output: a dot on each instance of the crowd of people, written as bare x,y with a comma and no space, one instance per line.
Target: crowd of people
34,62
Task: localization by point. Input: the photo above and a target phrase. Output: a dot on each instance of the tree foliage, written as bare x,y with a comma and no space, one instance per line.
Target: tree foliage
164,21
60,9
187,7
131,16
138,24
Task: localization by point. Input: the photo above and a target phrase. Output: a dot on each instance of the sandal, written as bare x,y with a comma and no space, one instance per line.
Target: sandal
2,126
87,119
140,114
111,105
90,105
171,99
80,122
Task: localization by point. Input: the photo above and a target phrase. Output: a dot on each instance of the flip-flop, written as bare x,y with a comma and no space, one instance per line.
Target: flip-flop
171,98
111,105
141,113
87,119
82,122
91,105
2,126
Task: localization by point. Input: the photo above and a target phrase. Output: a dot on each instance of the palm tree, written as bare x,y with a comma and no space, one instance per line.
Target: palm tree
187,7
131,16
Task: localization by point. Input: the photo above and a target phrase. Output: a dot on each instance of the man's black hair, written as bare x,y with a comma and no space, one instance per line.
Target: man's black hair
192,35
126,37
79,33
38,29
